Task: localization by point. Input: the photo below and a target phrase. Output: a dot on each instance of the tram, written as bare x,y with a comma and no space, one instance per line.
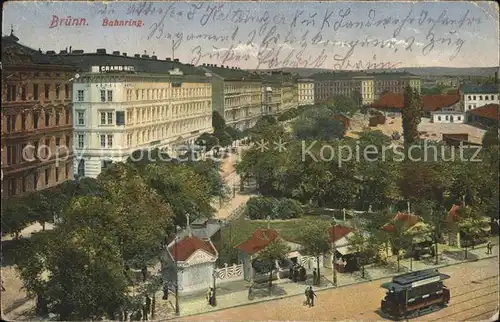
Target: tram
414,294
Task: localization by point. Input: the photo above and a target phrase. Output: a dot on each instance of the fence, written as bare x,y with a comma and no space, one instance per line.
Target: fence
229,273
236,213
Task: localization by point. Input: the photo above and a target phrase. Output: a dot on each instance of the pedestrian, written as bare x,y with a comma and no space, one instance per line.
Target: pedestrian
144,271
306,293
209,296
295,274
315,277
165,291
312,295
290,272
489,248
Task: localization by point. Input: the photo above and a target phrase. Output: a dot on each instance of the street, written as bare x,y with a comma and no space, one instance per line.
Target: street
473,287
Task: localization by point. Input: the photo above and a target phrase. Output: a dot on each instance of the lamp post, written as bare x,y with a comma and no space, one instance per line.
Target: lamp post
214,276
334,252
176,275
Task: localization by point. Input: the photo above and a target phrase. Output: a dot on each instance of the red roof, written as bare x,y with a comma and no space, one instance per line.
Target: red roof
340,232
188,246
258,241
489,111
409,220
430,102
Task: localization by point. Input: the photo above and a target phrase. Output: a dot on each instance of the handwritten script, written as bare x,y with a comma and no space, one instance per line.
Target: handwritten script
330,38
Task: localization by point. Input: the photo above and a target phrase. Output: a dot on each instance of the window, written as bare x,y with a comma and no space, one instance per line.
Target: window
67,170
129,139
110,96
47,176
492,97
68,141
35,180
110,117
12,186
57,174
36,149
58,90
23,121
35,92
11,123
105,164
66,90
103,118
47,119
470,106
103,96
58,116
67,114
459,118
11,155
58,142
110,140
103,141
11,93
79,97
474,97
23,93
81,168
480,97
81,118
47,91
120,118
81,141
446,117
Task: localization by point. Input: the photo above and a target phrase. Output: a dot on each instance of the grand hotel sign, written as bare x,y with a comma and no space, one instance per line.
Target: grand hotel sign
107,69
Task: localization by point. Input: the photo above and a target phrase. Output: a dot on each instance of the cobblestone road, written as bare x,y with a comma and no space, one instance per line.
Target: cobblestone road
474,297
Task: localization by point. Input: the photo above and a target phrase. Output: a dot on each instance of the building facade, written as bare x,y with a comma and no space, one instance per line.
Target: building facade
474,96
305,91
363,87
37,134
289,97
271,94
446,116
122,104
236,95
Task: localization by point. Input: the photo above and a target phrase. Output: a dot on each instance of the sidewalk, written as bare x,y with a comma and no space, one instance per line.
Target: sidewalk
197,304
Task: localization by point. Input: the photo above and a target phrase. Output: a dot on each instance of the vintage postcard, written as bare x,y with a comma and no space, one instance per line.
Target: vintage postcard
250,160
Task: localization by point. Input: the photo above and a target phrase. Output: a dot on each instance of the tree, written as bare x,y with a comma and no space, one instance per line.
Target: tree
207,140
261,207
76,274
224,138
411,114
47,204
345,104
471,225
16,215
288,208
319,124
274,251
218,122
490,138
365,247
314,240
234,133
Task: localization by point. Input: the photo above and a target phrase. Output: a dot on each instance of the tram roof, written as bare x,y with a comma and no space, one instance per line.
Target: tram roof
415,279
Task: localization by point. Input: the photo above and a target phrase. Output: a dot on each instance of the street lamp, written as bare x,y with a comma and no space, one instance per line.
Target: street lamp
214,275
176,274
334,253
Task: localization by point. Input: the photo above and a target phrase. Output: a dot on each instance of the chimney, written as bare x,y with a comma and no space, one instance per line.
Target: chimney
176,60
188,226
63,52
116,52
77,51
101,51
168,59
50,52
137,55
203,64
222,66
70,49
145,56
154,57
124,54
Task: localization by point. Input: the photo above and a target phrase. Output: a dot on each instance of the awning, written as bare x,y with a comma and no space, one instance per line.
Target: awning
344,250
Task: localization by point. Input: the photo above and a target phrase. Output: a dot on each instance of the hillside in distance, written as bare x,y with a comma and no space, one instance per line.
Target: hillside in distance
420,71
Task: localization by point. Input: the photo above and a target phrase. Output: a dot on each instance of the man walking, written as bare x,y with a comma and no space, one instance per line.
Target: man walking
306,293
311,295
489,248
315,277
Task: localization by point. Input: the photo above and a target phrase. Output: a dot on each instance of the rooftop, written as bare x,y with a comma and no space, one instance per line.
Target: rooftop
339,232
258,241
231,73
430,102
407,220
479,88
187,246
489,111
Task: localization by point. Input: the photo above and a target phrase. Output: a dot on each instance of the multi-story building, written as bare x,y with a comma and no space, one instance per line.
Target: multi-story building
122,104
363,87
477,95
36,119
305,91
289,97
271,93
236,95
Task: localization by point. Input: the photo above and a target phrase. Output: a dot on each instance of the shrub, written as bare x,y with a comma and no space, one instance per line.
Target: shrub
288,208
260,207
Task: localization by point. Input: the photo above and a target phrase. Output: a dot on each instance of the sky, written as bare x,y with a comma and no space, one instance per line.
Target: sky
260,35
